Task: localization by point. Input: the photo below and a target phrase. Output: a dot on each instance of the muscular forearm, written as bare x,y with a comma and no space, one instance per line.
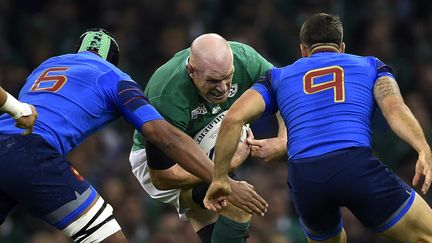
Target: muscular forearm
406,126
185,152
173,178
282,132
282,136
180,148
397,114
226,145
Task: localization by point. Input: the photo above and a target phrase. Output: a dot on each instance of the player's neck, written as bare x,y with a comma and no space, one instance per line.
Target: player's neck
323,47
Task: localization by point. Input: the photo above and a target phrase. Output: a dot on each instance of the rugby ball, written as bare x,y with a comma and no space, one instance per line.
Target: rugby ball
206,137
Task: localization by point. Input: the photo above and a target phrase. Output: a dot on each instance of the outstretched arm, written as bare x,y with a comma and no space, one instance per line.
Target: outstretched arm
405,125
183,150
247,108
179,147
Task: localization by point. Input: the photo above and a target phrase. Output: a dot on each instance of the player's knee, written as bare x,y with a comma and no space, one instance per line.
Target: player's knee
234,213
95,225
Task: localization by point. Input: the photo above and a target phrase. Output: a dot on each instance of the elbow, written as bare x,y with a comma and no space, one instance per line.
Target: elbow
158,182
395,110
231,118
160,185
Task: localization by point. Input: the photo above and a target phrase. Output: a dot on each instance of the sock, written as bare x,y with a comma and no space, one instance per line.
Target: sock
205,233
229,231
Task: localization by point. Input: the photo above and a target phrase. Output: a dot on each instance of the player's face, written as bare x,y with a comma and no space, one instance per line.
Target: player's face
214,86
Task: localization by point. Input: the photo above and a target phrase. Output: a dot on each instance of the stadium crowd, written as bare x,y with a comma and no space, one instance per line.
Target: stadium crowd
399,32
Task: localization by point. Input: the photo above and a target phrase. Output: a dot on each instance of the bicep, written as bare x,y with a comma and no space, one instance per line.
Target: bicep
387,94
133,105
157,159
248,107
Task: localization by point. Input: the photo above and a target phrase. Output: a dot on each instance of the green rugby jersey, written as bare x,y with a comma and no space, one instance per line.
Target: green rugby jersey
172,92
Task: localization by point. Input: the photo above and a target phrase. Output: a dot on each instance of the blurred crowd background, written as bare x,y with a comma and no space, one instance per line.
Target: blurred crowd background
399,32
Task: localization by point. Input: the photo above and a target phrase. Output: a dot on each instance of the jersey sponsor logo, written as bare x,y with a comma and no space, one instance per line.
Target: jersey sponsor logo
216,109
200,110
211,129
233,90
206,137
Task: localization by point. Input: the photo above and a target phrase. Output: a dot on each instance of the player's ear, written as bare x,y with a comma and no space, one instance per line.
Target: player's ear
190,70
303,50
342,47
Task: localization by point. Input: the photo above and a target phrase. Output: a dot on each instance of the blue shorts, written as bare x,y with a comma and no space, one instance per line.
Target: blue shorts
39,178
351,178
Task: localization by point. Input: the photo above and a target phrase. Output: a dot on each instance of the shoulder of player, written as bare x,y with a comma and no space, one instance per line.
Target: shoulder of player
171,97
239,48
367,62
171,81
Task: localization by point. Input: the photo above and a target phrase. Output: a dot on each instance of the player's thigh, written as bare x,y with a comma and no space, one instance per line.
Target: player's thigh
117,237
45,183
340,238
15,174
415,225
197,216
313,191
6,205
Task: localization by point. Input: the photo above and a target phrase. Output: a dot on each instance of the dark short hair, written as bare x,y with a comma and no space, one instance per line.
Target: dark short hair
321,28
100,41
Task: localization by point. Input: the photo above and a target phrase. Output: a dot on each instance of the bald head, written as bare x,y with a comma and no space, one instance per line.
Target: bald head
211,67
211,51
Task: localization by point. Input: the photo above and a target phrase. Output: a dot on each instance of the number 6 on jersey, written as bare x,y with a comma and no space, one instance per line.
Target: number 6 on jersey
48,82
336,83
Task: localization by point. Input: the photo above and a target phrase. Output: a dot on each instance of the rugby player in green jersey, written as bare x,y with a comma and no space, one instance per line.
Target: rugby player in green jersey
193,91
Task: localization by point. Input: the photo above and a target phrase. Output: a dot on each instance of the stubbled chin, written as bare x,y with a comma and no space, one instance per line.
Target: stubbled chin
218,100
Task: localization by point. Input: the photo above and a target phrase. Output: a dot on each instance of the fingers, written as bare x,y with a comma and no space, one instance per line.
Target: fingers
27,131
416,179
256,142
256,204
215,205
250,134
427,181
29,128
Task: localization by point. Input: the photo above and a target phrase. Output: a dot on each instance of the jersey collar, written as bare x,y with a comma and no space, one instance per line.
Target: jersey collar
324,48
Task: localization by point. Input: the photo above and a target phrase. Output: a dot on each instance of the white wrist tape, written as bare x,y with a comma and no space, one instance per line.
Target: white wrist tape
16,108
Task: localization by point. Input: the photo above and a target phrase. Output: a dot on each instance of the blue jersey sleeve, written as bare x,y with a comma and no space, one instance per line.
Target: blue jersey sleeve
263,86
133,105
383,69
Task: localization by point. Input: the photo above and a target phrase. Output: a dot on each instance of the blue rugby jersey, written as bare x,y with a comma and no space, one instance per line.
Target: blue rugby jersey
78,94
326,101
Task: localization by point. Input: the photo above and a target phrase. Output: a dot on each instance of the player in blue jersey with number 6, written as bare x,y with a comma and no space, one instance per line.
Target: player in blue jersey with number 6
75,96
327,99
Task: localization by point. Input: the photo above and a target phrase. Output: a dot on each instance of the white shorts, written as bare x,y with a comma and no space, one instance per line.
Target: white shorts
138,161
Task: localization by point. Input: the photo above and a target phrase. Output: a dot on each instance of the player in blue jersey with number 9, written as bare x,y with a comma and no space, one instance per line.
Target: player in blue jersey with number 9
327,100
75,96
